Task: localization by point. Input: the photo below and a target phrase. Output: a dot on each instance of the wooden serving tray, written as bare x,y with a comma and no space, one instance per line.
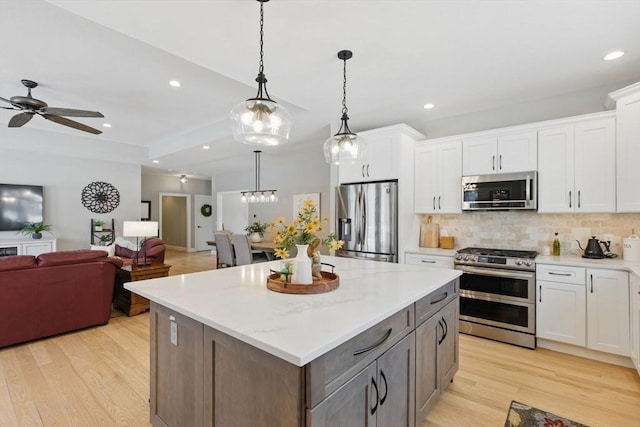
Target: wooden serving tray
328,283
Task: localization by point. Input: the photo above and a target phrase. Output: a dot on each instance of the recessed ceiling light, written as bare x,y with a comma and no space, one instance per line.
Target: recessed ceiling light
205,147
156,161
613,55
106,125
428,106
174,83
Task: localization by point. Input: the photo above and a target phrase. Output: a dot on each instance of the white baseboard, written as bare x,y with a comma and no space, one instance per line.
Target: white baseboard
560,347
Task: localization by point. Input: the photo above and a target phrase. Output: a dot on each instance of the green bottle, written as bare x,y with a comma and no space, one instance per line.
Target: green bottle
556,246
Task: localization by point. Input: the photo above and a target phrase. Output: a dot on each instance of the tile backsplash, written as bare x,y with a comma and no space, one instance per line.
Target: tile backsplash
534,231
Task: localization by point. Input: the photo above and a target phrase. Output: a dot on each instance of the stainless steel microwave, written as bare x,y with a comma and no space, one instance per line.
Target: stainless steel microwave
505,191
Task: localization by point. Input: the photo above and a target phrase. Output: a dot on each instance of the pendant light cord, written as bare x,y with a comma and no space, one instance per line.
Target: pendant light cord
345,110
261,79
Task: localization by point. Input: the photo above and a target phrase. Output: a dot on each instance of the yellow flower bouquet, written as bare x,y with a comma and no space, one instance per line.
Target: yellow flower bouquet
302,231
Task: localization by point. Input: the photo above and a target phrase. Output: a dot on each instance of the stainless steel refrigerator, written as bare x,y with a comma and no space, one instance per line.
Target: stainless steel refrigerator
367,220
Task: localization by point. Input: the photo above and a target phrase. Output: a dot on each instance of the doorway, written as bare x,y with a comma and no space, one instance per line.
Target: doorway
175,220
232,214
204,221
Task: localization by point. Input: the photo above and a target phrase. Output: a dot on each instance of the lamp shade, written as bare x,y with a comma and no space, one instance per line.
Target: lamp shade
140,228
260,122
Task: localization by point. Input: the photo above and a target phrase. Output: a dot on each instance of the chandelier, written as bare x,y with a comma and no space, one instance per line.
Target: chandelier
260,120
344,145
258,195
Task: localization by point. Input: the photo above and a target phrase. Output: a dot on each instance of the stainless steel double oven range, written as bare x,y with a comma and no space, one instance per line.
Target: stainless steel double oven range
497,294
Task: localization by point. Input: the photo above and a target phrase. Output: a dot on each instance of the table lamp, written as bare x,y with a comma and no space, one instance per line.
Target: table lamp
139,229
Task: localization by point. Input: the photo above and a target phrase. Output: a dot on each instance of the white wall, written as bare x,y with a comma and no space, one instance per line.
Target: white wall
310,176
63,179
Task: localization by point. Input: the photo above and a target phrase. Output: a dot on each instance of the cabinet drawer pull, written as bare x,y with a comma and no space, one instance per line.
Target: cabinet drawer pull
591,282
375,345
493,163
375,386
551,273
427,261
578,198
540,293
442,298
442,327
439,207
500,165
570,198
386,388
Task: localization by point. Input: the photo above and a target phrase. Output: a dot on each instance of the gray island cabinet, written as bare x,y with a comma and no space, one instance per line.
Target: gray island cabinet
226,351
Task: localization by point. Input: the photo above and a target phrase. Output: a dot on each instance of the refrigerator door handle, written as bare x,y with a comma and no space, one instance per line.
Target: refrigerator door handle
363,224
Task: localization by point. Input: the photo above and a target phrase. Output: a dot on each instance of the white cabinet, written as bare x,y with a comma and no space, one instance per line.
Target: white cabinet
608,311
382,155
561,304
576,167
440,261
584,307
33,247
437,175
634,289
628,147
500,153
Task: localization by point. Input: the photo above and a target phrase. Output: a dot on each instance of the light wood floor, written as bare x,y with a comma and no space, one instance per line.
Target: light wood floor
100,377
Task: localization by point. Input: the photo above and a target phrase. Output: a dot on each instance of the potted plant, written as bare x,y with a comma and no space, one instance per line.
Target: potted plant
105,239
35,229
256,231
97,224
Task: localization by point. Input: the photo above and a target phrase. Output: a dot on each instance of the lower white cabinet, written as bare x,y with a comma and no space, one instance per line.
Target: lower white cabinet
608,311
584,307
635,320
561,312
441,261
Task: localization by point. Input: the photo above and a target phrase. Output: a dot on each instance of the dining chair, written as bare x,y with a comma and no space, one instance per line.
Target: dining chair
242,248
224,250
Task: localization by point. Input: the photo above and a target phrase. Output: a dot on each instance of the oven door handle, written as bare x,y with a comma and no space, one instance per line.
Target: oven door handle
496,273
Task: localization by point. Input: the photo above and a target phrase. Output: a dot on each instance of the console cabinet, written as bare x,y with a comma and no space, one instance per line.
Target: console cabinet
33,247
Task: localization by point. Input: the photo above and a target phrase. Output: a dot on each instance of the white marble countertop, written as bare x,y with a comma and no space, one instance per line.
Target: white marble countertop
578,261
295,328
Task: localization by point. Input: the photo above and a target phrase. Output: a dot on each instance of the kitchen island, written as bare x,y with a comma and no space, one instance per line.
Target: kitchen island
225,350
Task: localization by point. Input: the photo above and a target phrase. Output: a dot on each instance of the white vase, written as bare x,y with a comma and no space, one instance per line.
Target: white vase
302,267
255,237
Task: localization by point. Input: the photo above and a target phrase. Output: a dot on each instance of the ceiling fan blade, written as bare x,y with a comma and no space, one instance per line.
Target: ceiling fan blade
71,123
12,103
68,112
20,120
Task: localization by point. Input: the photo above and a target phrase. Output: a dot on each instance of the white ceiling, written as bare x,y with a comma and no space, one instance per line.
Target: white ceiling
465,56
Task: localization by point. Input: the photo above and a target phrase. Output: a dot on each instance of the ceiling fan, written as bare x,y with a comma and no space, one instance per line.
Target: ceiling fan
31,106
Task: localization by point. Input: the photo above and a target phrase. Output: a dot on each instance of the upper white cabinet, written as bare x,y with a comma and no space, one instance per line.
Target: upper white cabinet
382,155
437,174
500,153
576,167
628,147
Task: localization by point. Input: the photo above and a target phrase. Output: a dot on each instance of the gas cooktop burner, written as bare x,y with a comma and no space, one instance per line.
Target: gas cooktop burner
498,252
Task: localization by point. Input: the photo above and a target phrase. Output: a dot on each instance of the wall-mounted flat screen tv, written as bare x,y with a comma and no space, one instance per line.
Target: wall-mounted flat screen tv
19,204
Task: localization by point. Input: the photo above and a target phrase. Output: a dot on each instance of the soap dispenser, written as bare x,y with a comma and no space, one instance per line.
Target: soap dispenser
556,246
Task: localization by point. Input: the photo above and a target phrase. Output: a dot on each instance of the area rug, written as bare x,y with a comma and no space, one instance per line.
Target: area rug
521,415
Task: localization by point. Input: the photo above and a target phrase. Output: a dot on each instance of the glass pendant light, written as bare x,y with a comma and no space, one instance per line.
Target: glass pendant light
261,120
344,146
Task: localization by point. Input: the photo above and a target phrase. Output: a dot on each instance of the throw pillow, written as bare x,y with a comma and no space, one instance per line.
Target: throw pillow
110,250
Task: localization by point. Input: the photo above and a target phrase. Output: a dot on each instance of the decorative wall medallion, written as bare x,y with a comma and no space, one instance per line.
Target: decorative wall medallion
205,210
100,197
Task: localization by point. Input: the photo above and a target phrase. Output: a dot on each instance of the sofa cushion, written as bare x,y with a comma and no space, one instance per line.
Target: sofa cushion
19,262
69,257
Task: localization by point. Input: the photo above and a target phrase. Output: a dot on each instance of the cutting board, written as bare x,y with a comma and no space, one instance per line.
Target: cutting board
429,234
